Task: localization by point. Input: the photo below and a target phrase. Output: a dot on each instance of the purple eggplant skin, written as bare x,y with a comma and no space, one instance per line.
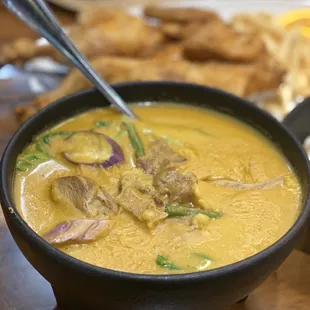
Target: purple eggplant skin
77,231
115,157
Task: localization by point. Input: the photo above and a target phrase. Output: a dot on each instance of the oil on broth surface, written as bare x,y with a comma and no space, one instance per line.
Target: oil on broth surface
216,147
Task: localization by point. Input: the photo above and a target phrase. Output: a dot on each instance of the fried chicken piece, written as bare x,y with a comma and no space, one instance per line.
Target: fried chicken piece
176,31
179,15
112,69
172,31
94,15
173,51
234,78
219,41
22,50
267,75
106,32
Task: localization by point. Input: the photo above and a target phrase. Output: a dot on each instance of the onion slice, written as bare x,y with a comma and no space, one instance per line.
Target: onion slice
86,147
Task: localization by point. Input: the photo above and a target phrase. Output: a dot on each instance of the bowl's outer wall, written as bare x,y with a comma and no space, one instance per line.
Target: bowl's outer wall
85,288
82,290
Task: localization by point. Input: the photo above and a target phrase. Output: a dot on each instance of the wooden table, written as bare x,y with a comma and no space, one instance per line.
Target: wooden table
22,288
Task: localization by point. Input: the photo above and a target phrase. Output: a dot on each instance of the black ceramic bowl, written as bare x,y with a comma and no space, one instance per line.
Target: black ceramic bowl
78,285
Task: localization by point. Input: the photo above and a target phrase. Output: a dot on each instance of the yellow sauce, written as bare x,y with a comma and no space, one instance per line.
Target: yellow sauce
252,219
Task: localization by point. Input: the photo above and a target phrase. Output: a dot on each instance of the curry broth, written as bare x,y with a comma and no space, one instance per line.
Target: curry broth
215,146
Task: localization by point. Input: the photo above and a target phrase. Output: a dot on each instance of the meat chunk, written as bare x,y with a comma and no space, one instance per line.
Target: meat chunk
220,41
82,230
82,193
108,201
176,186
179,15
171,185
137,197
139,180
160,156
141,206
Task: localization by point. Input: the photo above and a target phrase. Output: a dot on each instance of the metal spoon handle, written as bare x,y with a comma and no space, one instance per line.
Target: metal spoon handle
37,15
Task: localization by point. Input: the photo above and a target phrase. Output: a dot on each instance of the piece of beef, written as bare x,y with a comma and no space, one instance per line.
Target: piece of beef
139,180
141,206
160,156
81,230
138,197
104,197
175,186
82,193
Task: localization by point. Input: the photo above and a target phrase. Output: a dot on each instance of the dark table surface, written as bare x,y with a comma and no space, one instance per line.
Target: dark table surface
22,288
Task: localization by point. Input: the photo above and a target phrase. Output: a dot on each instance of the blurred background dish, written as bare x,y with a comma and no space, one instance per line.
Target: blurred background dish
259,49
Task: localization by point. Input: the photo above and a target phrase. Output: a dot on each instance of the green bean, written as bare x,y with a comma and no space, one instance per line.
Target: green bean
41,147
163,262
134,139
184,210
102,123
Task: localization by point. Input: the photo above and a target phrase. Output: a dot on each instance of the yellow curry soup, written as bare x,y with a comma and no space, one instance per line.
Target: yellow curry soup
181,190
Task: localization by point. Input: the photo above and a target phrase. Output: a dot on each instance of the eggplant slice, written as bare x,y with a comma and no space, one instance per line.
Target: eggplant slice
92,148
81,230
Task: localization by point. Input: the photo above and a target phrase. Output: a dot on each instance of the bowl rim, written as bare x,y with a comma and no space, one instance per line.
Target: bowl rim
84,267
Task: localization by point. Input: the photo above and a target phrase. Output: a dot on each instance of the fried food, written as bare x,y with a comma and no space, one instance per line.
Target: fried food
22,50
219,41
175,31
172,51
290,50
249,55
267,74
229,77
101,32
179,15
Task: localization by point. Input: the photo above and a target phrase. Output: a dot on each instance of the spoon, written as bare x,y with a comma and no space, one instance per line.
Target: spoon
37,15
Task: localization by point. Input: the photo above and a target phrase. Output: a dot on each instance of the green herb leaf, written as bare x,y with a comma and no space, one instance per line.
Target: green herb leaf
102,123
23,165
29,160
163,262
35,156
46,138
